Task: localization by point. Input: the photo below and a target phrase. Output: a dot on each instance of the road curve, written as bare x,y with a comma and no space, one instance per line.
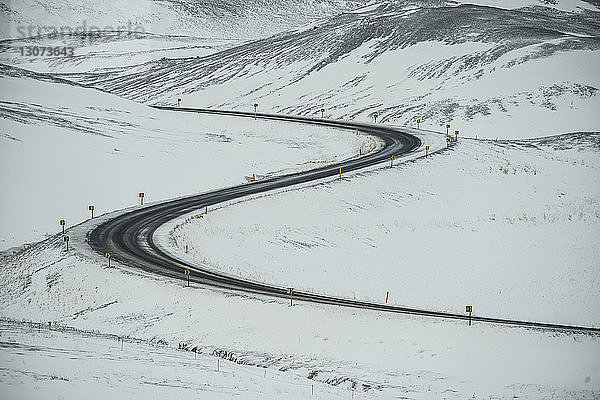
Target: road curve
129,237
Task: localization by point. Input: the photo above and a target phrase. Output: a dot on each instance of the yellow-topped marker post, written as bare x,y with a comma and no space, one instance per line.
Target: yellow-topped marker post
187,273
469,309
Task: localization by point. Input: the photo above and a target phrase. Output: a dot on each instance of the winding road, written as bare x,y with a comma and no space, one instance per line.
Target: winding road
129,237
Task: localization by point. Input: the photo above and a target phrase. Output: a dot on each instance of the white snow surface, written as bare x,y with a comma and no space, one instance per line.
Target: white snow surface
512,229
65,147
563,5
54,361
380,355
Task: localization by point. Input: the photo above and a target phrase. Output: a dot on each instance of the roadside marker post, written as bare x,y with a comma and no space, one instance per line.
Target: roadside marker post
387,295
108,256
456,133
447,129
375,115
187,273
141,195
66,239
426,151
91,208
291,293
186,249
340,173
255,107
322,113
469,309
418,122
62,223
179,102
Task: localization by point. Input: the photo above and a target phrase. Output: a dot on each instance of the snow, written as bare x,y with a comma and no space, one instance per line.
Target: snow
239,19
68,147
511,229
54,361
562,5
381,355
493,72
112,50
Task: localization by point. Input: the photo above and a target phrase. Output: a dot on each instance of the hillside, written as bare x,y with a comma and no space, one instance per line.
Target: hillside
488,71
231,19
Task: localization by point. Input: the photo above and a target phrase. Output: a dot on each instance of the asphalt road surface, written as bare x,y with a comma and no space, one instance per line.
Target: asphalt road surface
129,237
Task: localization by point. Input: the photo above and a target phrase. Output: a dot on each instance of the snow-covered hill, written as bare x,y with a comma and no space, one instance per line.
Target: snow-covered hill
232,19
488,71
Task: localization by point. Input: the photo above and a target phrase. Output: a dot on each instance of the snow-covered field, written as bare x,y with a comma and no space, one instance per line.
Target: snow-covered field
510,227
380,355
54,361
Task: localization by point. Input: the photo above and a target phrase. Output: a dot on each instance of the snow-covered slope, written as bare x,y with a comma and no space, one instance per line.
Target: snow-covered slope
233,19
488,71
63,147
101,51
